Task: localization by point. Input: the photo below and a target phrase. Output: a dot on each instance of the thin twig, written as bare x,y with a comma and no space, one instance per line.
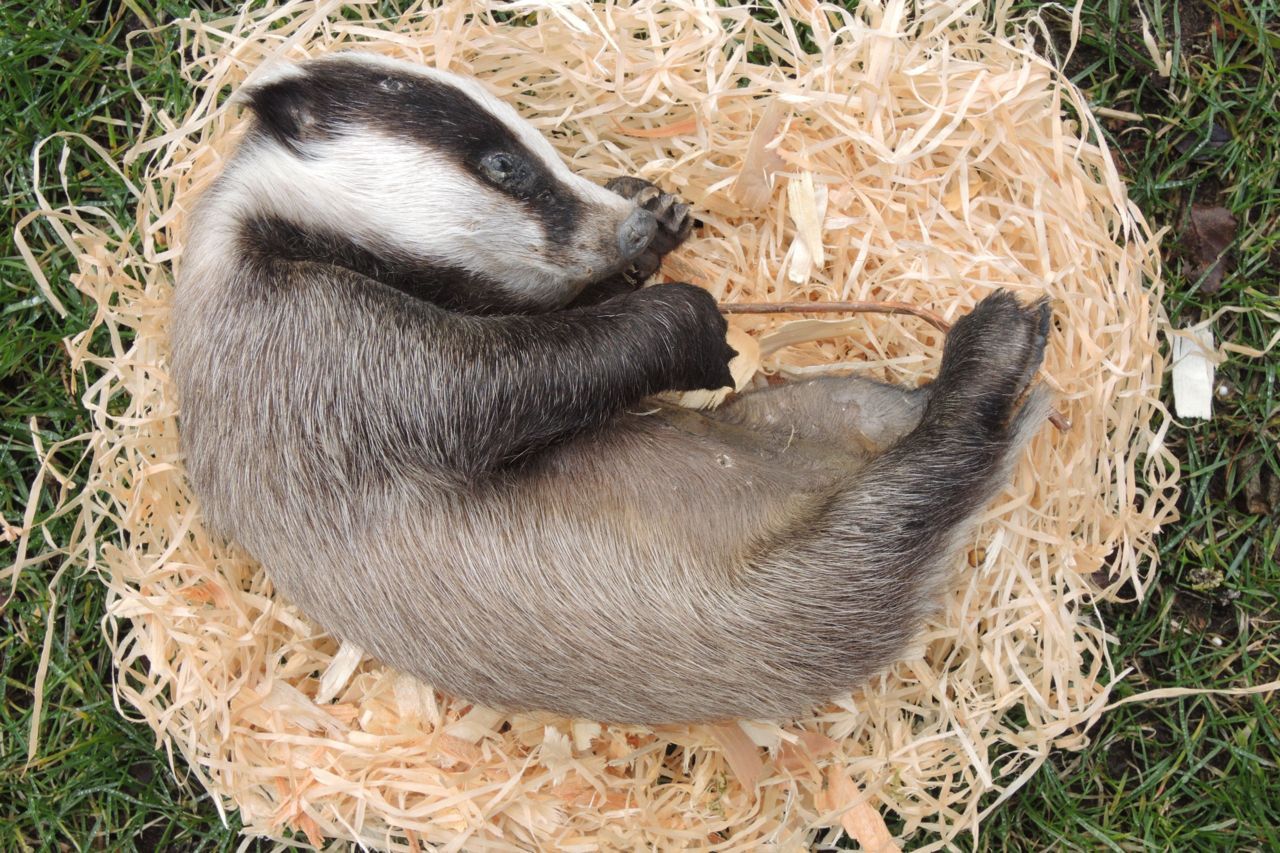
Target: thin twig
1056,418
825,307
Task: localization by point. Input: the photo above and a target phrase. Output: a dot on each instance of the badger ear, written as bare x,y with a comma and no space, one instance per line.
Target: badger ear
280,99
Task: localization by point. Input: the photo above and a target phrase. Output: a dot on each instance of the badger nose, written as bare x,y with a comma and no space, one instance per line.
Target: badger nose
636,233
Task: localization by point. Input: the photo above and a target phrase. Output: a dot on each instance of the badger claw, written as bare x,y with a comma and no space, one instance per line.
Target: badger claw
647,196
678,222
660,207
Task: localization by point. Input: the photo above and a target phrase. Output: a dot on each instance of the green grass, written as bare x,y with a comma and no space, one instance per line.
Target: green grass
97,780
1194,773
1203,772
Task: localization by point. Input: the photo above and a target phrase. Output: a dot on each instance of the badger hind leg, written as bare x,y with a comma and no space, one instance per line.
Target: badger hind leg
884,546
1002,344
978,410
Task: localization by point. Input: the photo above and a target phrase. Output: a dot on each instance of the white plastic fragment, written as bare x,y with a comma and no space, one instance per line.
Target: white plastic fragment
1193,373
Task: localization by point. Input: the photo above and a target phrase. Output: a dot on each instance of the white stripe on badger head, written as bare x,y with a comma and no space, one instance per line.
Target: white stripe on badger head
389,194
526,133
272,71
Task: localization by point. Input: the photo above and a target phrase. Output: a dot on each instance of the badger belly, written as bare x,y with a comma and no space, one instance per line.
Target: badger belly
601,579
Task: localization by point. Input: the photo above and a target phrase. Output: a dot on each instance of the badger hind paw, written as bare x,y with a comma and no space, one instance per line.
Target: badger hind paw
991,357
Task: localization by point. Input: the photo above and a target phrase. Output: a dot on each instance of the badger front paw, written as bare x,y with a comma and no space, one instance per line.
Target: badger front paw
675,223
697,347
990,358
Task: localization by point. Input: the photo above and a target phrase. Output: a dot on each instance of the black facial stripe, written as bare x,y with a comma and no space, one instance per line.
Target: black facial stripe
335,93
558,210
268,240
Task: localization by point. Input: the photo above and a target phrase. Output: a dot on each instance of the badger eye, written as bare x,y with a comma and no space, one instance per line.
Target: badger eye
499,167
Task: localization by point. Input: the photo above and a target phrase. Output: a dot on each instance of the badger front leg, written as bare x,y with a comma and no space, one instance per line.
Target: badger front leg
675,224
474,394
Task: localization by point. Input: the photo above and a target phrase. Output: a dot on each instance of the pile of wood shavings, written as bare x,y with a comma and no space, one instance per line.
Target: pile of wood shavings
916,153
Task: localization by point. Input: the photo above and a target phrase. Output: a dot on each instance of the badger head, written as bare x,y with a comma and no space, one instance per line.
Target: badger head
424,170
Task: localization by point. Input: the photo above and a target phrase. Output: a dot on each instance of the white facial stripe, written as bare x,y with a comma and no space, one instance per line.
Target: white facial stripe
384,191
273,72
387,193
527,135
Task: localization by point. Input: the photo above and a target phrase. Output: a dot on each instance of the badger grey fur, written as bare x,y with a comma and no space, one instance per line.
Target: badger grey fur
413,364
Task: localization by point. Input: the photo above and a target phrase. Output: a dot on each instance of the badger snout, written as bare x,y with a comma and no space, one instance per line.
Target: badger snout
636,233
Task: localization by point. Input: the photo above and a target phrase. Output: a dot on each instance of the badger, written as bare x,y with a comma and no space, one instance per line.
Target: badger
418,361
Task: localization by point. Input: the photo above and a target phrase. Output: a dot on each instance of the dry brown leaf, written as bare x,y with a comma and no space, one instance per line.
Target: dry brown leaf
1261,488
1211,232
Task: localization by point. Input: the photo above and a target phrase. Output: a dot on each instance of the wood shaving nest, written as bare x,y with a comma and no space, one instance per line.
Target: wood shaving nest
921,153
